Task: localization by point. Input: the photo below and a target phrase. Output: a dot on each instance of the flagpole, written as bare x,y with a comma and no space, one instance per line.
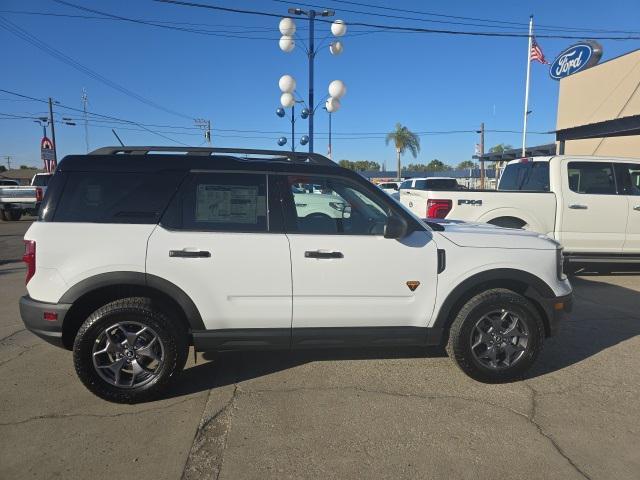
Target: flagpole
526,90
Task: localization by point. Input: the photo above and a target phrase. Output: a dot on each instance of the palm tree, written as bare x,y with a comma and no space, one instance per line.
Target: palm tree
403,139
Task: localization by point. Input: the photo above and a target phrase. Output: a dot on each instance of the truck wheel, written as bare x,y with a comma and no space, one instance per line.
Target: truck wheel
496,336
13,215
127,351
3,216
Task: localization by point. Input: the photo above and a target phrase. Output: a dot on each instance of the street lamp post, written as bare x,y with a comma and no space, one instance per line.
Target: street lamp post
287,44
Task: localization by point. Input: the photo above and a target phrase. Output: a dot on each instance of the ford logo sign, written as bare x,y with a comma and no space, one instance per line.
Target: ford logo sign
576,58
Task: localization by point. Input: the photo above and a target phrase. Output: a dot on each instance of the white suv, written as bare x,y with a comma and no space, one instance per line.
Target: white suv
137,255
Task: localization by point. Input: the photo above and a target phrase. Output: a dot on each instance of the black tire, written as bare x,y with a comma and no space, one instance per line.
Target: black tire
459,346
3,216
140,312
14,215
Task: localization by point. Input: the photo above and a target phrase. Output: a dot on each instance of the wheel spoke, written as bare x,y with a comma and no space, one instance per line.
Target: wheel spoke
115,368
148,351
496,322
136,369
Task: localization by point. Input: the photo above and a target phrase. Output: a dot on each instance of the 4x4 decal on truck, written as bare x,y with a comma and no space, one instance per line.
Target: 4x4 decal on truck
476,203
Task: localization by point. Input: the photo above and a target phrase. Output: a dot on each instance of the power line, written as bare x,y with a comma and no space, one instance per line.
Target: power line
396,27
92,113
23,34
486,20
109,16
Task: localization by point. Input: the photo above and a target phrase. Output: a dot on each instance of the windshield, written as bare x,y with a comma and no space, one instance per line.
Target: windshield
529,176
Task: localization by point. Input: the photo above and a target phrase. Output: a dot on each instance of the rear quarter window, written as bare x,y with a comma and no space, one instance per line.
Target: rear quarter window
112,197
528,176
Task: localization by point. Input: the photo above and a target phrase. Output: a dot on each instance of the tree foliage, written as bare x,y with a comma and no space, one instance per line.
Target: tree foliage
434,165
404,139
500,148
360,165
466,165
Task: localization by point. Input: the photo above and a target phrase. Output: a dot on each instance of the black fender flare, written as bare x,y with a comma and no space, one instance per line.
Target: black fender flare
536,289
138,279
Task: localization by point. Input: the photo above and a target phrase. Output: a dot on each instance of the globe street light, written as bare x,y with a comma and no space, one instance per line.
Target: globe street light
287,28
287,86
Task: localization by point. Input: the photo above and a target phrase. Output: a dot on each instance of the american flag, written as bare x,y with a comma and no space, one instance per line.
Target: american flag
536,53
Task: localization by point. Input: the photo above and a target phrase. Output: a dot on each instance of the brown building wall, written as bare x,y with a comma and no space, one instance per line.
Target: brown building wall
604,92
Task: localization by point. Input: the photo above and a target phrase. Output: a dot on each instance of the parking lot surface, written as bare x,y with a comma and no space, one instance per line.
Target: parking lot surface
372,414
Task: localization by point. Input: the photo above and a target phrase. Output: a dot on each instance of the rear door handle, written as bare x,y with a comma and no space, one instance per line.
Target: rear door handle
189,253
576,206
319,254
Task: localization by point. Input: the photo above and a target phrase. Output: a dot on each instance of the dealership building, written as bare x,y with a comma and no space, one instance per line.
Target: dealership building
599,109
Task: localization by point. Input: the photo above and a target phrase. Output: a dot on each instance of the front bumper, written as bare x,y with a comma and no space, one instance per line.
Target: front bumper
33,315
556,309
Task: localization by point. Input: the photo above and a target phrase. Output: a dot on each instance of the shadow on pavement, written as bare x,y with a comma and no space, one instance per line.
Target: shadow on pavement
226,368
604,315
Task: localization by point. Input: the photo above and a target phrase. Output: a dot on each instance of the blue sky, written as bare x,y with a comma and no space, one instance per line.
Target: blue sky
428,82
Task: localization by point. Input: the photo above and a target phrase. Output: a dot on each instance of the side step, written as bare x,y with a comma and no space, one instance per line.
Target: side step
620,258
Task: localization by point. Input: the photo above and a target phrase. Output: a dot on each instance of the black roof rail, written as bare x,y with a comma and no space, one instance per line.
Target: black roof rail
245,153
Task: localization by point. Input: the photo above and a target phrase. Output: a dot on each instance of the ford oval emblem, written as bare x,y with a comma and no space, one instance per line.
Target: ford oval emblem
576,58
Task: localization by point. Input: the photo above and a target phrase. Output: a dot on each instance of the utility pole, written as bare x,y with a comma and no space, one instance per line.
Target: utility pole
53,132
8,157
481,153
85,100
204,125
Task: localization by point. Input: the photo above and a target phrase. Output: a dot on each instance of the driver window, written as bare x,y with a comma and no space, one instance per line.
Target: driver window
333,206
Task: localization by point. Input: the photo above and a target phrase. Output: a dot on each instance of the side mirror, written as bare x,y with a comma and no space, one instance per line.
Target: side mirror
396,227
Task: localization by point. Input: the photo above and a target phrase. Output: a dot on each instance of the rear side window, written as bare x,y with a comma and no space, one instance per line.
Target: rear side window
41,180
528,176
220,202
591,178
114,197
628,177
437,184
406,184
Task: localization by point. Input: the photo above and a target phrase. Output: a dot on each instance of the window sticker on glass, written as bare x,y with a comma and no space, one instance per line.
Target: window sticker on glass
228,203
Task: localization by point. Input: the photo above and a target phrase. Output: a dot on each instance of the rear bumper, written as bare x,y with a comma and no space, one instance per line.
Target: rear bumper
33,315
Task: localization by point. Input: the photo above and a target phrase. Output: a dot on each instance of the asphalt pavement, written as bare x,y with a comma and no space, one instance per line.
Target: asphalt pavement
327,414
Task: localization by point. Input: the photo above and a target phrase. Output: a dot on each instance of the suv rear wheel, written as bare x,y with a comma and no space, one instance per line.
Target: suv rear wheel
127,351
496,336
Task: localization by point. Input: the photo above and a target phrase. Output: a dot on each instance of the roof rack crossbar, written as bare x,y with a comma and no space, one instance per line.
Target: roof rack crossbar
304,157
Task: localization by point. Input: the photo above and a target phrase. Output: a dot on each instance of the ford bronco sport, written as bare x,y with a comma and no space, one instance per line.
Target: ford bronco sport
137,255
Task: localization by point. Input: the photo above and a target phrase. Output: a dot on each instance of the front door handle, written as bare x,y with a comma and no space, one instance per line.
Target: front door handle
576,206
637,207
189,253
319,254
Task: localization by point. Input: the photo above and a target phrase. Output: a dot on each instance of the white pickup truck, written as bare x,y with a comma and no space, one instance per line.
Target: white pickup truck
16,200
589,204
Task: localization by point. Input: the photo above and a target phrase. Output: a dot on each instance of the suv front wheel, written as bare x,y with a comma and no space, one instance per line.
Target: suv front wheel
127,351
496,336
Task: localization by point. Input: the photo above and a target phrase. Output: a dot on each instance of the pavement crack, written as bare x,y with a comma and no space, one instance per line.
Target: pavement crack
206,456
22,352
532,419
13,334
59,416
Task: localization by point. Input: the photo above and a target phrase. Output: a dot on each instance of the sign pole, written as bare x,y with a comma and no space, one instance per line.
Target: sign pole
53,132
526,90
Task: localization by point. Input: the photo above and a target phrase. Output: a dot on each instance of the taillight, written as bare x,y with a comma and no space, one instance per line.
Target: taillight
39,194
29,258
438,208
